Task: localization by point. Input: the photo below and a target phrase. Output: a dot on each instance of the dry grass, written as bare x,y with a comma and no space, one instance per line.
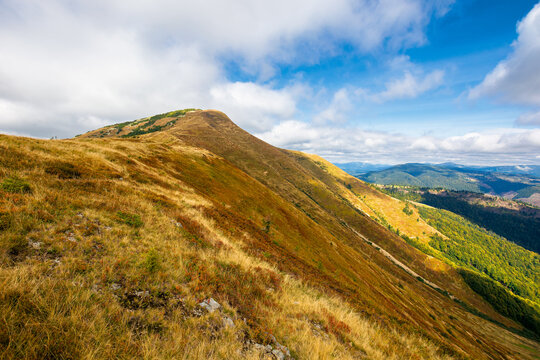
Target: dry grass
118,241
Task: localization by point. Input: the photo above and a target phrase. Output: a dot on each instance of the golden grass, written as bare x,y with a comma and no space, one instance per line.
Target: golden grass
71,267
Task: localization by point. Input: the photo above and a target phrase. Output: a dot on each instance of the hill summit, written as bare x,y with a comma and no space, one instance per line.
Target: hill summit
182,235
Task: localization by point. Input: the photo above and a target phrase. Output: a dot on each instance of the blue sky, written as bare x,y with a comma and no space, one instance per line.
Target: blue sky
385,81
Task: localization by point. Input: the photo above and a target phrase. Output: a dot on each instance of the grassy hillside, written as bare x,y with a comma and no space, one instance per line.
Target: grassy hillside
464,244
134,232
449,237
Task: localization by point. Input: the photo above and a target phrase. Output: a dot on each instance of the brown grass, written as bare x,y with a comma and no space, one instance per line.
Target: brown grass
78,280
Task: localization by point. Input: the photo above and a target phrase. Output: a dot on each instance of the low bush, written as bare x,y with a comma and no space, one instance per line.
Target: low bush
132,220
151,261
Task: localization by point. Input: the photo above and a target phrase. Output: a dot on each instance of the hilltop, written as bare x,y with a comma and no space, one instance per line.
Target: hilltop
120,243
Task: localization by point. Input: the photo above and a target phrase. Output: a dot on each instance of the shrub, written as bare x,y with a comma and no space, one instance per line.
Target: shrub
15,185
407,210
266,225
151,262
132,220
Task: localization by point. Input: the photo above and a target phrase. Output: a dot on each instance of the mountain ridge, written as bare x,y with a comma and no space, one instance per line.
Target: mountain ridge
239,201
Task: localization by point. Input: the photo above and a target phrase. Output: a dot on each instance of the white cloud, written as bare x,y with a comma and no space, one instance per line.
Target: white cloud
67,66
516,79
500,146
254,106
259,28
530,118
409,86
336,112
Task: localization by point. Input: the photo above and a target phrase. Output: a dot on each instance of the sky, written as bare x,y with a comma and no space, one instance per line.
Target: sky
378,81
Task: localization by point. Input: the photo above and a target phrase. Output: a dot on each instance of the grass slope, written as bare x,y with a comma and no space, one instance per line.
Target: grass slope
133,233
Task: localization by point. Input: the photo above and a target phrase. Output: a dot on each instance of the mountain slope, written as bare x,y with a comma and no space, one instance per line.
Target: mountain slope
134,232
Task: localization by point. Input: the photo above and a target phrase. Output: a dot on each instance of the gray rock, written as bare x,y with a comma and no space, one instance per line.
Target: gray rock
34,244
227,322
142,293
278,354
283,349
259,347
176,223
210,305
115,286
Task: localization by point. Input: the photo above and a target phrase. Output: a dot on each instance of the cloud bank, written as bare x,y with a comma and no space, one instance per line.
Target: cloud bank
67,66
498,146
516,79
409,86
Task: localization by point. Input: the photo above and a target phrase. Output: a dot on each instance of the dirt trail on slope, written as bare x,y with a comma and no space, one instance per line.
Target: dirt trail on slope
402,265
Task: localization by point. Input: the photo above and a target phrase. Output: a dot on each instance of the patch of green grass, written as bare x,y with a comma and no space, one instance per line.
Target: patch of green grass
120,126
133,220
144,130
155,118
15,185
151,261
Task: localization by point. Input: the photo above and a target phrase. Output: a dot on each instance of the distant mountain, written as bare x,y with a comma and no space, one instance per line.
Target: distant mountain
512,182
358,168
529,170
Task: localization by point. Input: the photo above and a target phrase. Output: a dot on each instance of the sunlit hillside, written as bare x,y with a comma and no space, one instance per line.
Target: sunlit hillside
183,236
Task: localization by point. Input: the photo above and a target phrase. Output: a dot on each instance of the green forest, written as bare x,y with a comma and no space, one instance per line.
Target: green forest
492,266
478,249
502,300
513,225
